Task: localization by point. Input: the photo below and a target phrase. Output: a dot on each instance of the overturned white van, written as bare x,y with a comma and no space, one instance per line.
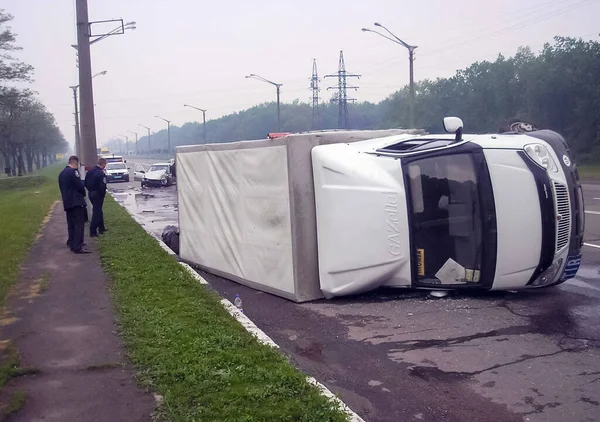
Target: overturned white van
339,213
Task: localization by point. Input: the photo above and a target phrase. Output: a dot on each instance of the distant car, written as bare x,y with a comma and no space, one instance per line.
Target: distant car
158,174
116,172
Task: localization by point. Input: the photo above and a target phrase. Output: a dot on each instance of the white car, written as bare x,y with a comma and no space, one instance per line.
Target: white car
159,174
116,172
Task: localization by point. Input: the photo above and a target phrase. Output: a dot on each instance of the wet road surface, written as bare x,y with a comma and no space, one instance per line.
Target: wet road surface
401,356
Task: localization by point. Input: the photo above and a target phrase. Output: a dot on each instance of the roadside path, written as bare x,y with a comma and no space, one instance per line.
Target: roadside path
61,320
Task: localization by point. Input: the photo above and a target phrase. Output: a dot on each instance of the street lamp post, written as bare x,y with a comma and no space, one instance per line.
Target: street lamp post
168,134
77,129
77,132
136,142
203,118
148,129
126,144
411,58
278,86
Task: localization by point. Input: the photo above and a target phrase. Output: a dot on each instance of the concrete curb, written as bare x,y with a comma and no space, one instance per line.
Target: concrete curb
246,322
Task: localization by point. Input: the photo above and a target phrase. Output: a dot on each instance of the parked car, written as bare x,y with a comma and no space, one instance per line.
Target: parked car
116,172
158,175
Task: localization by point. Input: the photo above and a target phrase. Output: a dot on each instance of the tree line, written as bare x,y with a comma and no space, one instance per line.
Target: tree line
557,88
29,135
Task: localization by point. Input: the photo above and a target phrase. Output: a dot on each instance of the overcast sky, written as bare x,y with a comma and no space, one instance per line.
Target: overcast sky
198,52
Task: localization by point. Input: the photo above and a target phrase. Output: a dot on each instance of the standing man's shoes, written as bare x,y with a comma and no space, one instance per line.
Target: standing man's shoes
103,231
81,251
94,234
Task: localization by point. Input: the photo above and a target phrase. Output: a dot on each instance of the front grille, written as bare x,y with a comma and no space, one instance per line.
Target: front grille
563,209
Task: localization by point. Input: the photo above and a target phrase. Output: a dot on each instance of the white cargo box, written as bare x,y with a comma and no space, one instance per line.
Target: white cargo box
247,210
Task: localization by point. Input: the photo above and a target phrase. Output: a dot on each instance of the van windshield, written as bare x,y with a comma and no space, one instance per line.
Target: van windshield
446,218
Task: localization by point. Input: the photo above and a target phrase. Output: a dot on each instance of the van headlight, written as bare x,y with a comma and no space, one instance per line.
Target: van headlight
540,155
163,176
549,275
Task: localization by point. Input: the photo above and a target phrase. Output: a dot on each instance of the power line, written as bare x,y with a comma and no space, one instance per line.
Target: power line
510,28
341,96
532,17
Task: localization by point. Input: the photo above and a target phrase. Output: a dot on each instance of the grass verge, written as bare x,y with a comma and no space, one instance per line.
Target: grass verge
188,348
24,202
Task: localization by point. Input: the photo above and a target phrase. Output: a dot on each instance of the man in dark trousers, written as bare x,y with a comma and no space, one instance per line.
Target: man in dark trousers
95,182
73,197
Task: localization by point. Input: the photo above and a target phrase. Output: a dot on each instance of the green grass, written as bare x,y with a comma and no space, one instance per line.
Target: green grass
187,348
589,172
9,364
24,202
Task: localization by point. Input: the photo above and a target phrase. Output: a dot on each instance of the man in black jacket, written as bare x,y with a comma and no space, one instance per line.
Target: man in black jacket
95,182
73,197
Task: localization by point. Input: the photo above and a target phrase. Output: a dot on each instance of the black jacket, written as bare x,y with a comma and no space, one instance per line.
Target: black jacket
71,188
95,181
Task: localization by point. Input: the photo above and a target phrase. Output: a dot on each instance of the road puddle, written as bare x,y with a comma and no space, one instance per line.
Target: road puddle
154,208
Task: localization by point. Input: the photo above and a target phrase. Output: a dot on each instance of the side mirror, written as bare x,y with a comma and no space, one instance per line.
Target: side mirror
452,124
124,161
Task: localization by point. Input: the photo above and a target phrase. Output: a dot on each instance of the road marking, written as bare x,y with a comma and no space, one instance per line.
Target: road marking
580,283
593,212
591,245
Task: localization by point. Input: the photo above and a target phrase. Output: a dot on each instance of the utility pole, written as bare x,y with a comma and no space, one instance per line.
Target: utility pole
203,118
411,59
278,86
77,130
88,123
168,134
148,129
314,86
137,151
342,95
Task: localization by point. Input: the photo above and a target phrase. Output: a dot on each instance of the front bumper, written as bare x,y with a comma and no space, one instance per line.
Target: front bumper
117,178
153,183
572,250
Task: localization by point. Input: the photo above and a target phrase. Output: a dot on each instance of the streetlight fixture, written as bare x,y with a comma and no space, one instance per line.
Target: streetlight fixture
203,118
148,129
77,130
136,142
278,86
411,58
168,134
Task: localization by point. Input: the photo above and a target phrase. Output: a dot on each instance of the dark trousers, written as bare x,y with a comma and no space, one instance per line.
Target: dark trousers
97,223
75,223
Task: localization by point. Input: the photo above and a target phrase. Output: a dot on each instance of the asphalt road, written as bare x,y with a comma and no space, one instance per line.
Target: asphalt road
401,356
